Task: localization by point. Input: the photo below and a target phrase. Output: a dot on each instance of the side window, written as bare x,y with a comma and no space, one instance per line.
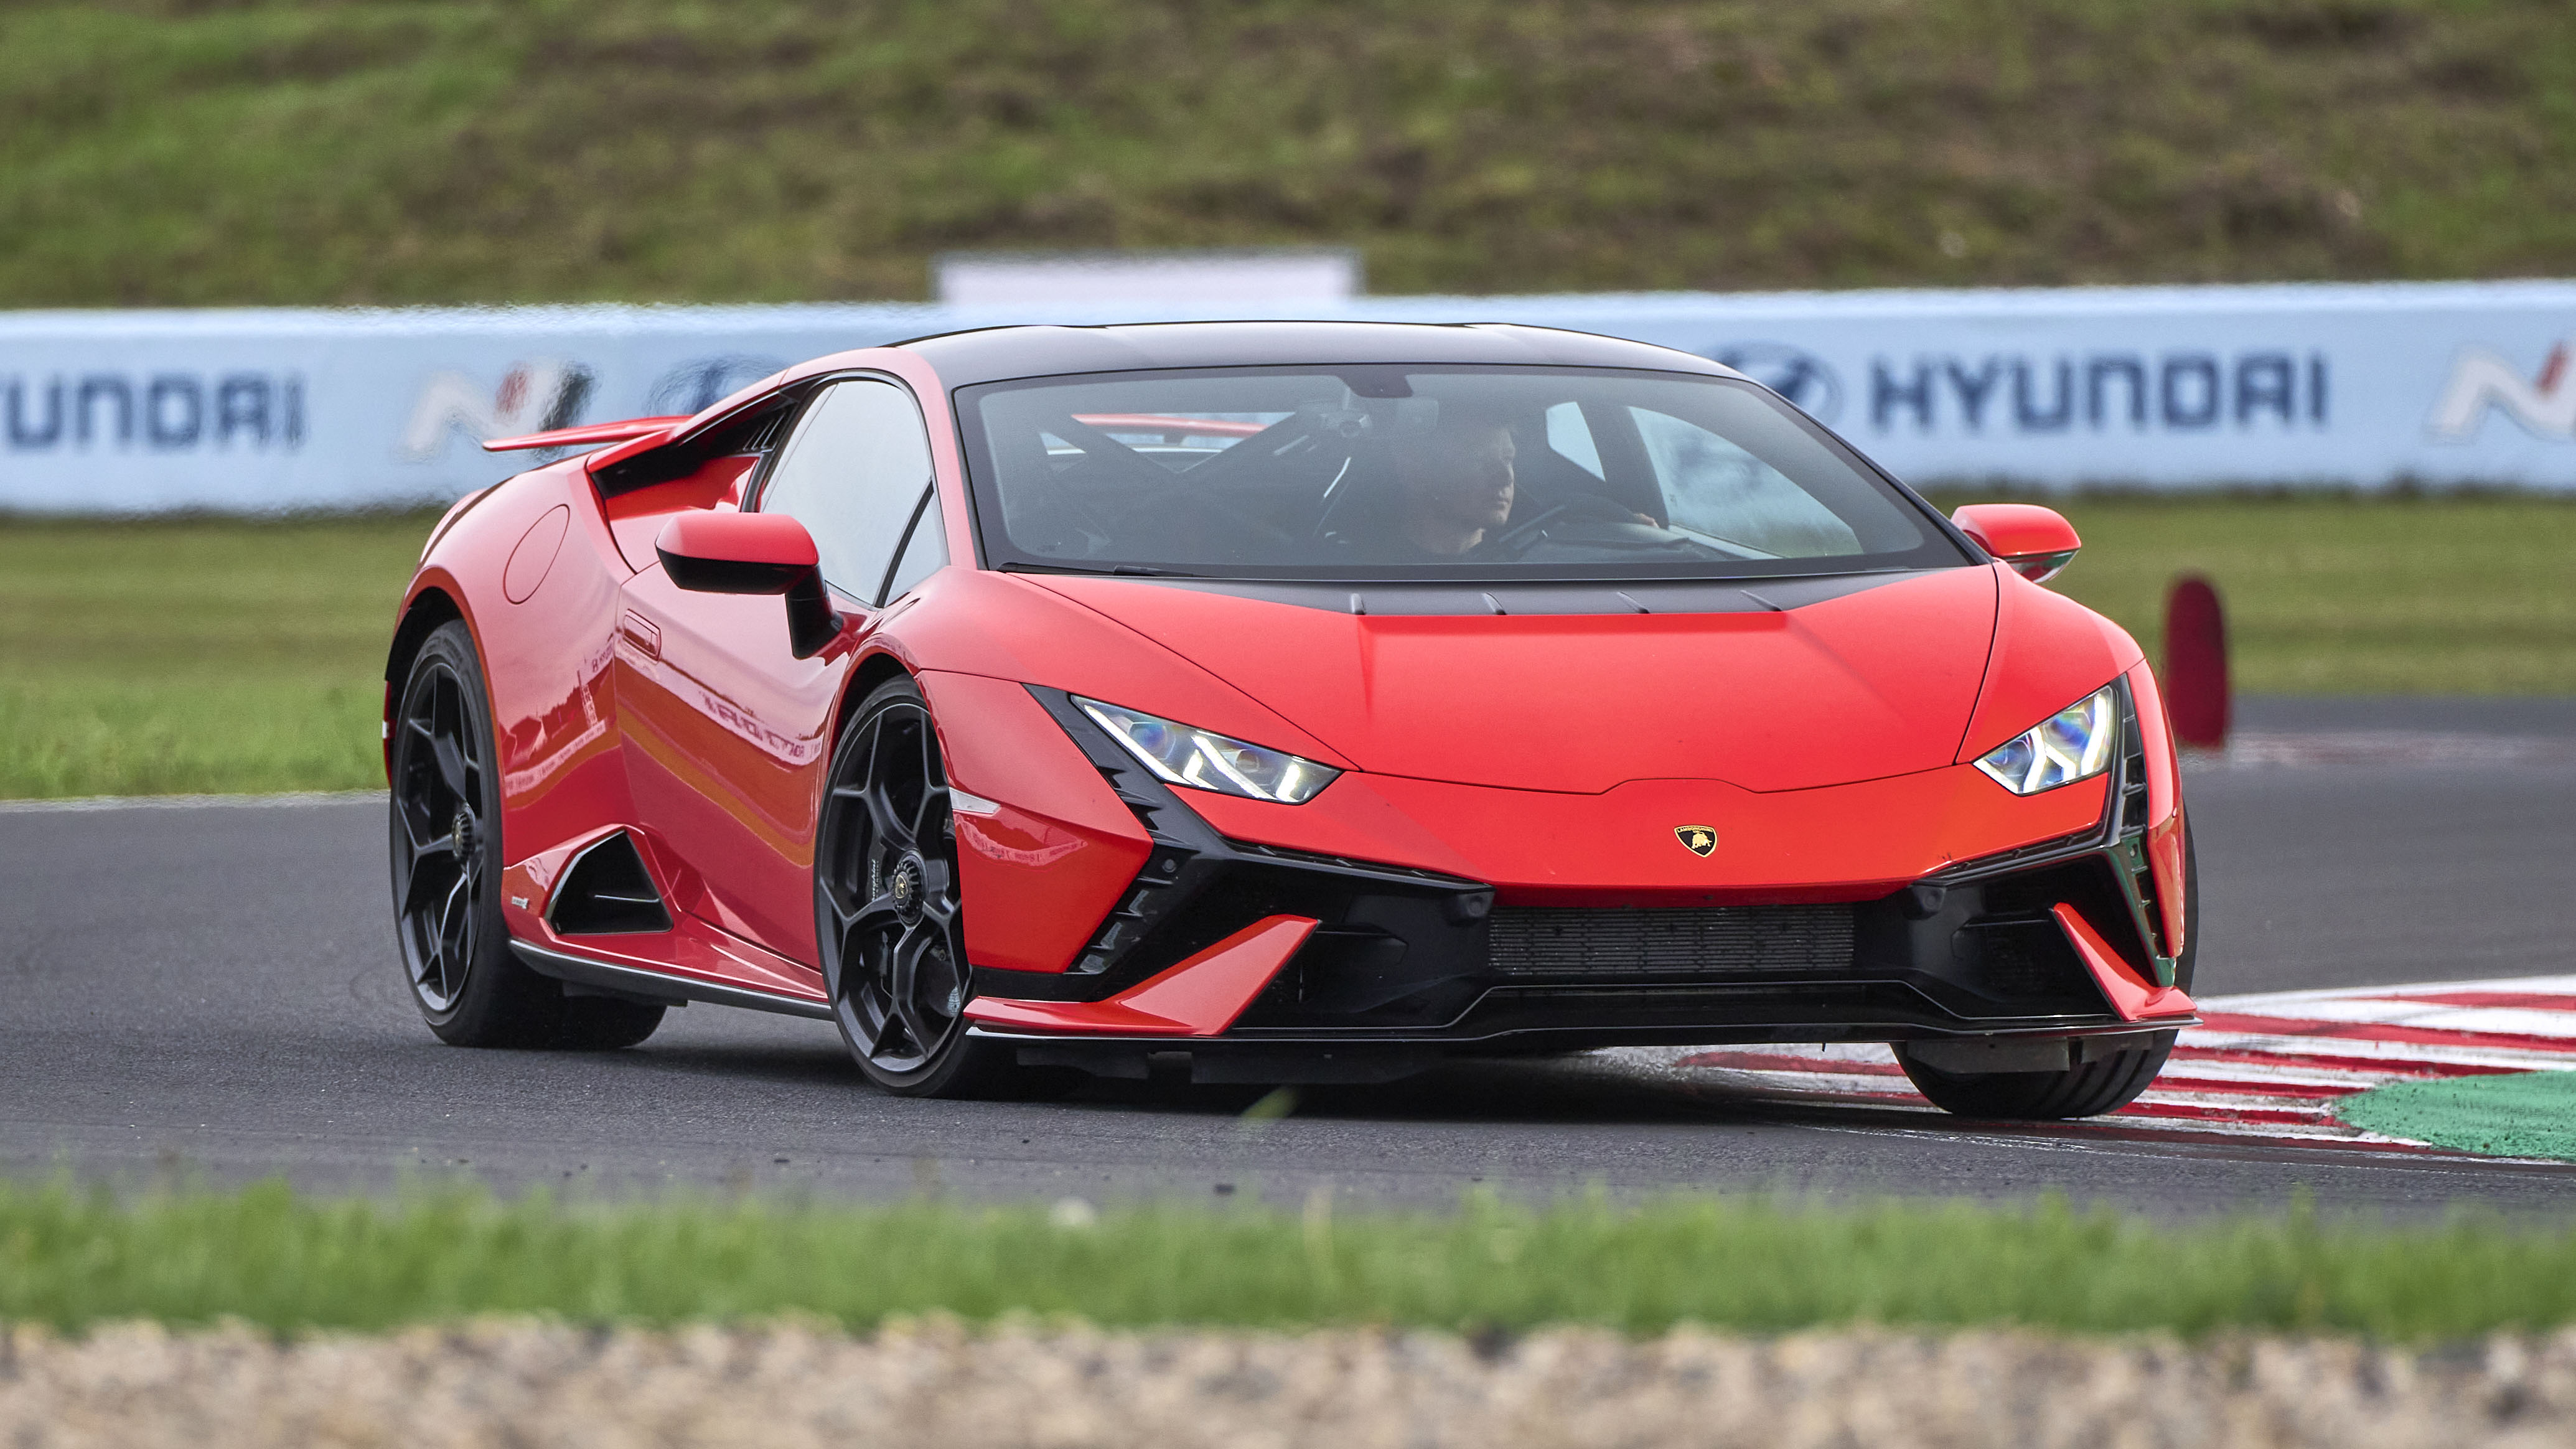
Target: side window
1715,487
1571,437
924,553
853,474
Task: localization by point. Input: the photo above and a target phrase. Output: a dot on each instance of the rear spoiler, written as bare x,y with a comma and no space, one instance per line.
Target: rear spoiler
587,433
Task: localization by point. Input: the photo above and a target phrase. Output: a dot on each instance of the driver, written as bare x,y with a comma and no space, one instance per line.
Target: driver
1454,483
1455,487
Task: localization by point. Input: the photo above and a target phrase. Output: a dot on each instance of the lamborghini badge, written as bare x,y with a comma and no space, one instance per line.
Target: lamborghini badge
1697,839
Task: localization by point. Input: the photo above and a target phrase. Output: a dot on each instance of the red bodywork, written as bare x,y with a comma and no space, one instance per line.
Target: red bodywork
1547,756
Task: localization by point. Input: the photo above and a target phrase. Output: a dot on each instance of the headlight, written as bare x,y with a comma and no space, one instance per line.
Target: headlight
2073,744
1180,755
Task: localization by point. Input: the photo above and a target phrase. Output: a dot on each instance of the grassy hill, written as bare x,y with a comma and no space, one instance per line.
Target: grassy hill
202,152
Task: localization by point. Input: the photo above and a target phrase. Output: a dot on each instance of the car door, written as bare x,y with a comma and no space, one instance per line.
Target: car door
728,733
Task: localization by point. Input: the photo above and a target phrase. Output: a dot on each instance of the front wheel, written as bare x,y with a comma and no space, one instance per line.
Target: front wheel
2085,1091
2088,1090
886,911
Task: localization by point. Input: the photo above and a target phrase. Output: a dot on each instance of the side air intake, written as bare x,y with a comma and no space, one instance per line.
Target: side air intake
607,892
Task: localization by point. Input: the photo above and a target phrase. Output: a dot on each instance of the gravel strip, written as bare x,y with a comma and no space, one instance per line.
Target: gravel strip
519,1385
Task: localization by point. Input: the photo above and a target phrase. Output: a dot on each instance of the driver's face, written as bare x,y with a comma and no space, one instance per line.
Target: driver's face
1464,479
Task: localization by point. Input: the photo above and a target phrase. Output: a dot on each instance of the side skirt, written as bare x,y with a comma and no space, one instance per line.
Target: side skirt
654,986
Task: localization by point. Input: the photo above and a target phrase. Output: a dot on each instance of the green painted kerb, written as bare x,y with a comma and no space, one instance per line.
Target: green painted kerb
2525,1114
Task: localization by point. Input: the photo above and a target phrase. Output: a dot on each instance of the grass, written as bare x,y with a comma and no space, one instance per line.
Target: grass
238,655
199,654
2349,596
330,151
2515,1114
71,1257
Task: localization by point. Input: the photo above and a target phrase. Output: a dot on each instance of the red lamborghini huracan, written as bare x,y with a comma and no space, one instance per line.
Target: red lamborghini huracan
1292,701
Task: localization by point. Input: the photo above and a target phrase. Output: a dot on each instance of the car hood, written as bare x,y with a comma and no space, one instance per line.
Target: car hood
1794,685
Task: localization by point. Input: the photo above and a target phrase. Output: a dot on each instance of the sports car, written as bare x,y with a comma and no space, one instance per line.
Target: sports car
1279,702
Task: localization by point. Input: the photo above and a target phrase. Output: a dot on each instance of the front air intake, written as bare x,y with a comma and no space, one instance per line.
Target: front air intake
1669,945
607,892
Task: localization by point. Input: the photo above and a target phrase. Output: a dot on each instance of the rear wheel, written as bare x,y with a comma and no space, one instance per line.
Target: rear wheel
446,846
886,909
2088,1090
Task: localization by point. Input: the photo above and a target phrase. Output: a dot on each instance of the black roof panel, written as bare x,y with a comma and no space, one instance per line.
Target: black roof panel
995,353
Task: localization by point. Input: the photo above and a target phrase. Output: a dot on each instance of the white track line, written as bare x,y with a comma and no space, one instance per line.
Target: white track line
84,804
2257,1003
2403,1011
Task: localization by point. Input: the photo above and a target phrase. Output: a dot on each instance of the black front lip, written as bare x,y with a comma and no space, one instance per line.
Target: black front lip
1277,1057
1587,1038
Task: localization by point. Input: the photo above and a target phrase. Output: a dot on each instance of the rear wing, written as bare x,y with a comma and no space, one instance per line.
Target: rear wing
587,433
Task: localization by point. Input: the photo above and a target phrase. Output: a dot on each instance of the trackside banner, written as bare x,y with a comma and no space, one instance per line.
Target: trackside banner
2440,384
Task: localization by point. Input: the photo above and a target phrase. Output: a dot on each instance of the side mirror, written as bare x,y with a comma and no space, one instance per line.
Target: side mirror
2034,542
753,553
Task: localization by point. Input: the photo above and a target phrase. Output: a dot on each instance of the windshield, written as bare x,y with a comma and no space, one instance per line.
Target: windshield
1399,472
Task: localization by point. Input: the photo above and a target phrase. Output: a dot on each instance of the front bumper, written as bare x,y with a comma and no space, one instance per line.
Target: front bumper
1391,965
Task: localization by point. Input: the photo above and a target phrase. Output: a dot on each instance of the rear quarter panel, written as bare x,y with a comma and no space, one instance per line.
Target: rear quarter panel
545,655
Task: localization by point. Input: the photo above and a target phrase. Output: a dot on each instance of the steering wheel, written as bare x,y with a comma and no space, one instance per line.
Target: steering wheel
1520,536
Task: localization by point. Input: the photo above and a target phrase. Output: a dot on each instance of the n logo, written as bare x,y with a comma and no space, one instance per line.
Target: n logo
534,397
1697,839
2481,380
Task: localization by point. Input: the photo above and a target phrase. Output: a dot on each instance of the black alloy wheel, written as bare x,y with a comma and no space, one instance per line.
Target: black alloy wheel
2087,1090
446,848
887,914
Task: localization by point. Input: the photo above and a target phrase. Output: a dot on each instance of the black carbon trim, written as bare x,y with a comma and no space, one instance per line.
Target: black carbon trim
2116,844
1339,1060
633,981
2119,808
1197,887
753,429
1704,1029
607,890
1345,865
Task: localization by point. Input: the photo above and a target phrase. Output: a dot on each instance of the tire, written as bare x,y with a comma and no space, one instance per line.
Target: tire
888,921
2088,1090
445,840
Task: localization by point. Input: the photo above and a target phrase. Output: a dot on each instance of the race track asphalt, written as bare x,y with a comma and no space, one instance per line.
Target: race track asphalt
211,992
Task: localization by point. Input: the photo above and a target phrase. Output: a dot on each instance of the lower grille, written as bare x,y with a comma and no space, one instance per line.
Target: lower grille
1670,944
